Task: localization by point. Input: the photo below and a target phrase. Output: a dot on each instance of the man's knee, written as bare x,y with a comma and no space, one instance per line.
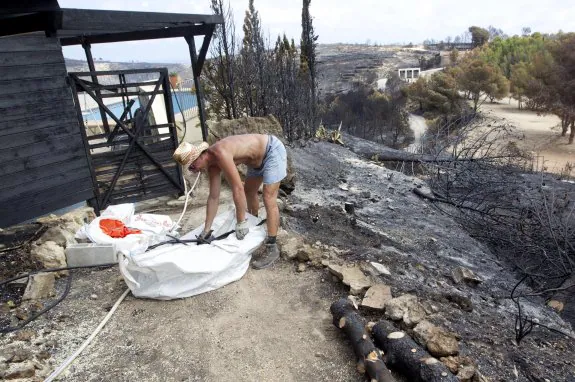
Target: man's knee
269,196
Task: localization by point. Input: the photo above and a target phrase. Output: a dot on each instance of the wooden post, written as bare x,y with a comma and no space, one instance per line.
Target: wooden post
171,119
199,92
92,68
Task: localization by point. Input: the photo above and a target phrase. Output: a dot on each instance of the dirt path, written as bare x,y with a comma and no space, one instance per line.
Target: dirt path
541,134
271,325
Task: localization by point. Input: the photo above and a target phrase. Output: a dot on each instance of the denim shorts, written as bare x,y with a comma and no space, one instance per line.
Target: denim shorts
274,164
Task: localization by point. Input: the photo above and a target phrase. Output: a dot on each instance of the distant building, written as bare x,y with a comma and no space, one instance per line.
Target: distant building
409,74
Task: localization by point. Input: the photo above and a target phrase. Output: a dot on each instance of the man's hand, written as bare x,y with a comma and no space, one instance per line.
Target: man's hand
205,237
242,229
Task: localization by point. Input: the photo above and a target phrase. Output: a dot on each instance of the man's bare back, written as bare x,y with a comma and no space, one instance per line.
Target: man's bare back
266,158
248,149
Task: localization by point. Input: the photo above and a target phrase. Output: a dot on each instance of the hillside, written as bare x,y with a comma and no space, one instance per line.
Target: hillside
339,64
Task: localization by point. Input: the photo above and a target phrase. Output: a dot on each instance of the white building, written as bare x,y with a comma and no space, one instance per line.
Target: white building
409,74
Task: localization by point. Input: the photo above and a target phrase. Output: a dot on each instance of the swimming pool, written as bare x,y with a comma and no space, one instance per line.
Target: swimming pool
182,102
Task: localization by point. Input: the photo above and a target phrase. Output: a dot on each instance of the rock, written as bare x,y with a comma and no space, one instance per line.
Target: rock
20,370
463,302
21,314
558,306
40,285
478,377
439,342
281,204
380,268
50,254
377,296
290,247
343,187
406,308
62,229
20,355
352,276
365,194
43,355
301,267
24,335
452,363
309,253
254,125
424,331
466,373
62,234
460,274
94,297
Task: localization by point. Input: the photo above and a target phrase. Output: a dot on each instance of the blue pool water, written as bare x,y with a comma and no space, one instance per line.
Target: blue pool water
181,102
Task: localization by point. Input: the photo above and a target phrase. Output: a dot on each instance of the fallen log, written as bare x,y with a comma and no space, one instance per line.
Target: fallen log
369,360
407,357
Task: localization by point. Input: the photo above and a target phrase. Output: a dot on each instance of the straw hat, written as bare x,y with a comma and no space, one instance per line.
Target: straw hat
186,153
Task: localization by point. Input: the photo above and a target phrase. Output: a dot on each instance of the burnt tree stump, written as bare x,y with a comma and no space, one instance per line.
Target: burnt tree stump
405,356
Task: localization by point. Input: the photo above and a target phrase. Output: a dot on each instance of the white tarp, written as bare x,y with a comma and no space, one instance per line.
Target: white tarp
177,270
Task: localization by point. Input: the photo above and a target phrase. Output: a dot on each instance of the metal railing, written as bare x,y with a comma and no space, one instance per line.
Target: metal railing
186,102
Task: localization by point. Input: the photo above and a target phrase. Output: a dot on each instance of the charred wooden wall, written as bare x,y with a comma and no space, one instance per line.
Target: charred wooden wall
43,165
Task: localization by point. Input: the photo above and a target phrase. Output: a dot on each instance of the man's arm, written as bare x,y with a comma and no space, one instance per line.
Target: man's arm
214,197
231,173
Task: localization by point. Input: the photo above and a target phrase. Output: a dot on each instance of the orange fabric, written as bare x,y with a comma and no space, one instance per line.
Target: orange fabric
115,228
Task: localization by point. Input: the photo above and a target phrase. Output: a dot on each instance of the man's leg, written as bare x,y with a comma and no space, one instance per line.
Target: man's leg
251,187
272,252
270,196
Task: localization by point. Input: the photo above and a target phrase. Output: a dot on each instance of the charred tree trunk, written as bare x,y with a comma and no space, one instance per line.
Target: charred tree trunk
564,124
572,134
369,359
407,357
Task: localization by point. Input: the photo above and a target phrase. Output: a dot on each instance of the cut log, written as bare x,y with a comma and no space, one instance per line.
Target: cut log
369,360
407,357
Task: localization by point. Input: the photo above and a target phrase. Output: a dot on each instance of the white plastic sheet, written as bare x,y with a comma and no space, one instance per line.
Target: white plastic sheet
178,270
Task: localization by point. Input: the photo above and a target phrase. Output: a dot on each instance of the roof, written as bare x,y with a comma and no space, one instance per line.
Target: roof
79,26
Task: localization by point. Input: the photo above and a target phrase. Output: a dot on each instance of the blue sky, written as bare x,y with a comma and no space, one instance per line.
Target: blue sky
381,21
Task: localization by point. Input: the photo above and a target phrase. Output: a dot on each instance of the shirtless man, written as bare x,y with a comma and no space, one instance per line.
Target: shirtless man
266,159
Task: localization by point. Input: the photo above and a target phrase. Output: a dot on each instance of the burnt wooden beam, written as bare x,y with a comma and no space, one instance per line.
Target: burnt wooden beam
115,72
105,21
10,7
151,34
123,117
199,93
92,67
49,22
170,117
96,192
204,50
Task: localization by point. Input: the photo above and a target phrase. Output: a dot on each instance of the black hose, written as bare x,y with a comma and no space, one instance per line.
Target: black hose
185,242
38,314
2,283
59,300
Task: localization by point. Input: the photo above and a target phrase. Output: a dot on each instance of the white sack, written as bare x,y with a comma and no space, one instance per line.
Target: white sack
178,270
154,229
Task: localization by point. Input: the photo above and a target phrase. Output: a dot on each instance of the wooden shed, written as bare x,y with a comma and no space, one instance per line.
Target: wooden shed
48,158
